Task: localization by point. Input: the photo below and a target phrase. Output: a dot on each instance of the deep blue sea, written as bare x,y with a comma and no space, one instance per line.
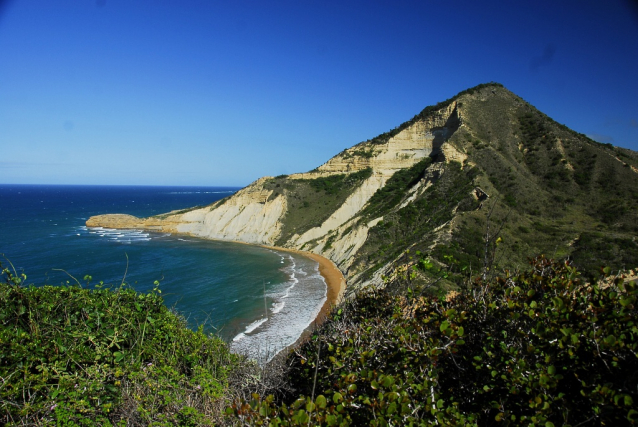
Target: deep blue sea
259,300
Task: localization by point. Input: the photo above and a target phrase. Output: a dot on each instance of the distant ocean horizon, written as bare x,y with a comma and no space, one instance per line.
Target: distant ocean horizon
258,299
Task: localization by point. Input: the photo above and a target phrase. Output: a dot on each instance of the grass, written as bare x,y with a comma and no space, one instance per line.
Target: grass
311,201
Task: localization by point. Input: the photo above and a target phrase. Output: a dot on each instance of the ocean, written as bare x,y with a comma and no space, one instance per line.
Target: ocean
257,299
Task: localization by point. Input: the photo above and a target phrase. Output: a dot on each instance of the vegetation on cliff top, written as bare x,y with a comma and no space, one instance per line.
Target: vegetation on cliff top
429,111
540,347
75,356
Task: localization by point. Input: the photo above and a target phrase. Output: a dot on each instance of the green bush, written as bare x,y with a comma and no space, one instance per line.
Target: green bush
539,348
87,357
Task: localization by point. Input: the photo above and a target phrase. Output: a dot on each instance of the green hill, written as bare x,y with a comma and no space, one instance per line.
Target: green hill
547,189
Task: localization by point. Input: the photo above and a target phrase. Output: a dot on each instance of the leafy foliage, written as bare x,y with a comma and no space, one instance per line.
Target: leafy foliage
537,348
86,357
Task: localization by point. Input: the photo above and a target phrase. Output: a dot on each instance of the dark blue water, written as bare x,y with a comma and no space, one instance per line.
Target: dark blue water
258,299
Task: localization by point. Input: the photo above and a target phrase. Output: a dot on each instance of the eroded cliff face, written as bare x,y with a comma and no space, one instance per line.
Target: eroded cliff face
255,214
421,188
422,139
249,216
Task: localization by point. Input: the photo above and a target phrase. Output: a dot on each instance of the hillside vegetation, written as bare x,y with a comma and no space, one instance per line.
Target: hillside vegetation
107,356
547,188
566,194
540,347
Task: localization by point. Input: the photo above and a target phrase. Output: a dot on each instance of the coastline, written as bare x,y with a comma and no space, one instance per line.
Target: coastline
333,278
336,287
335,281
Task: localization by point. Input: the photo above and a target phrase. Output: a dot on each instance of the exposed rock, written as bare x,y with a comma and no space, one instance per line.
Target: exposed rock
253,216
479,194
130,221
247,216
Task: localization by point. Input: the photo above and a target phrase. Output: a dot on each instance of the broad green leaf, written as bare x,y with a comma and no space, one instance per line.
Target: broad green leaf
321,401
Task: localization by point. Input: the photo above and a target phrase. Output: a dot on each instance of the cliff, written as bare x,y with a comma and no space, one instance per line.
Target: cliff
423,185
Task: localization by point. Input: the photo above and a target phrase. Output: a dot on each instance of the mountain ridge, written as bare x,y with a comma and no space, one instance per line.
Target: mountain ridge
424,185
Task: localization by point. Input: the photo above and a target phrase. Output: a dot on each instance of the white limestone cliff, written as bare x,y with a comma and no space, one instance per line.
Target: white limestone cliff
253,215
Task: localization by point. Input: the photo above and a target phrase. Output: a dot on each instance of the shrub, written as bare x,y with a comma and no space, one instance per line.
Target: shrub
333,184
537,348
87,357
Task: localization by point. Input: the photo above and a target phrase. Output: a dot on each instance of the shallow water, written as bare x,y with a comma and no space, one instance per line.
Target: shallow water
258,299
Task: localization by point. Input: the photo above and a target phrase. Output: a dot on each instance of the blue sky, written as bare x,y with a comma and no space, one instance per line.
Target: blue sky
221,93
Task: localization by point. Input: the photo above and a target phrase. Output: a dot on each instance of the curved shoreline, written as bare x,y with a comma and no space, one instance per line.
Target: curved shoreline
335,281
332,276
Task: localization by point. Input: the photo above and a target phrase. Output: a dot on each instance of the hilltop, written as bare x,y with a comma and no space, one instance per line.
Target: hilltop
430,185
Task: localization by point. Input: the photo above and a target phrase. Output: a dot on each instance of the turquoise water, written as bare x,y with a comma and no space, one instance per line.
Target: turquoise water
258,299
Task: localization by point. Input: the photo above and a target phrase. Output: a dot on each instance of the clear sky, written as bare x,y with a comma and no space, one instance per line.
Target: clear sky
223,92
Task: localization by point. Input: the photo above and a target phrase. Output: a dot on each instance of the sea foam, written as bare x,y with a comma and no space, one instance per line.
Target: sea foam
296,304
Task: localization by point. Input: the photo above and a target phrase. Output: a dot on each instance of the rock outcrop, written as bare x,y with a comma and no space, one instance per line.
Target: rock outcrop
253,216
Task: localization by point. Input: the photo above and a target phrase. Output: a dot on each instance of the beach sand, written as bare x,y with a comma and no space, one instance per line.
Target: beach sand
335,282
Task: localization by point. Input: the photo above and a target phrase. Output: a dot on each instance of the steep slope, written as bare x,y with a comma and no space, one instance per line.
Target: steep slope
430,184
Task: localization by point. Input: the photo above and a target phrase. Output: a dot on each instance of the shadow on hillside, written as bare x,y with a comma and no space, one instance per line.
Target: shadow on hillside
444,133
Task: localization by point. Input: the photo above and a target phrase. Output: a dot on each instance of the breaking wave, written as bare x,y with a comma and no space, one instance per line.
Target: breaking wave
294,305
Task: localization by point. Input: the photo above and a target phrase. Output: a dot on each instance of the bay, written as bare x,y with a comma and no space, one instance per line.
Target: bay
258,299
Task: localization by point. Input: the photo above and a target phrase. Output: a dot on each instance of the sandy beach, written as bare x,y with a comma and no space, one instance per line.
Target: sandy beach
335,282
336,287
